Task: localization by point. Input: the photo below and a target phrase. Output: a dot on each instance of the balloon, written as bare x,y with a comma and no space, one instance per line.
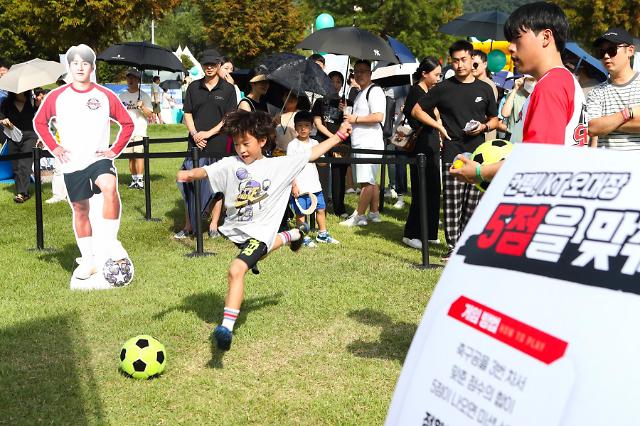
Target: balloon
324,20
193,71
496,60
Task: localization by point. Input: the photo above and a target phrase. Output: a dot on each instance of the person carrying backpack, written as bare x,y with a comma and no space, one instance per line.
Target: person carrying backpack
368,114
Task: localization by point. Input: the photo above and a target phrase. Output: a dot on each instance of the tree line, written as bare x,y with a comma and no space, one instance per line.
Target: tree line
246,29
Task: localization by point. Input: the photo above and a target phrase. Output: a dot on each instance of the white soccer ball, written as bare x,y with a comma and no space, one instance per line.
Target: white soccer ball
118,273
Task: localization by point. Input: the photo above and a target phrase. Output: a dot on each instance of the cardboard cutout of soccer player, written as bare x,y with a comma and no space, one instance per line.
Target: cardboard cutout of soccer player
83,111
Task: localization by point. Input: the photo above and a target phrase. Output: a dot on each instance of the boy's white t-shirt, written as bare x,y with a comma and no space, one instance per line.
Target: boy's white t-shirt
255,195
308,179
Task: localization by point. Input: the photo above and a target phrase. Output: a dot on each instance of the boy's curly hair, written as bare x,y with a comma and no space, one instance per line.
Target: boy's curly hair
258,124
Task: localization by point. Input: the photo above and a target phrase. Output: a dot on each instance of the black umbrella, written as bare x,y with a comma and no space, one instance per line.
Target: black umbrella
298,74
142,55
483,25
171,84
350,41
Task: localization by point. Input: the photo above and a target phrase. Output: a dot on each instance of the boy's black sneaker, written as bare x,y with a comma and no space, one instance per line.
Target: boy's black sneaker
304,230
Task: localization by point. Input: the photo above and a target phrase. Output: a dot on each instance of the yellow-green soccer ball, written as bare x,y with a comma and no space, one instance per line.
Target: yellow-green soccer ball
491,152
143,357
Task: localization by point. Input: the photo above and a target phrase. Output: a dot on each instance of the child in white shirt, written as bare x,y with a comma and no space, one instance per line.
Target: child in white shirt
306,186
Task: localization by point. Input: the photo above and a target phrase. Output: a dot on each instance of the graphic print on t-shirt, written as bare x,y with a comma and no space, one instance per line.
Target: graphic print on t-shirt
251,192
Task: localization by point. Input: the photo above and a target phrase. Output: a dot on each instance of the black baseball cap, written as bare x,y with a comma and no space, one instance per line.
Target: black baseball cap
211,56
615,35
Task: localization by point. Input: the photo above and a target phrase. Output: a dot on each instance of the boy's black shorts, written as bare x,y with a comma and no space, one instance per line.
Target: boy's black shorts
251,251
81,184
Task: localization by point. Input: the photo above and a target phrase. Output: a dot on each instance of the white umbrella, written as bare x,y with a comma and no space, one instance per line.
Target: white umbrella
394,75
31,74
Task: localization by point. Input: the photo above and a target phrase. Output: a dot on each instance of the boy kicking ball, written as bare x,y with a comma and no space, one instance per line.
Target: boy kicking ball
307,184
256,190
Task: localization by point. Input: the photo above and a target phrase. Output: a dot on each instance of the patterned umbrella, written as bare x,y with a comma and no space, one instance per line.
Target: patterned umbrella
298,74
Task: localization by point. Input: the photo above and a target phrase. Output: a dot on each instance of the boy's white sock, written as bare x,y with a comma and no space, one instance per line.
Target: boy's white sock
229,317
291,235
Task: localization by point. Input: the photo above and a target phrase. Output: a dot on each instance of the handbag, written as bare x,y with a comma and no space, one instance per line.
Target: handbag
404,137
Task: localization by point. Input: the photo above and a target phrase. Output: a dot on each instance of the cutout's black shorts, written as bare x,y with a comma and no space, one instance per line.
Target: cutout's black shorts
81,184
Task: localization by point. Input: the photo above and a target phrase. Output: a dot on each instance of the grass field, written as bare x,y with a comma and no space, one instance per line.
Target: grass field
320,340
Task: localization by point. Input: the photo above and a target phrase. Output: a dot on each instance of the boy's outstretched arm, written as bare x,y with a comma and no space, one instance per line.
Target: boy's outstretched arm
190,175
342,134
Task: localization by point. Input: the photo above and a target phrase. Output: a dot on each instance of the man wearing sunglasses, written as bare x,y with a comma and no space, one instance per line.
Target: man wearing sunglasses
613,107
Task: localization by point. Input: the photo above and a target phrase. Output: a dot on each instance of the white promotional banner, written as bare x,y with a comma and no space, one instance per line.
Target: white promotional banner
535,318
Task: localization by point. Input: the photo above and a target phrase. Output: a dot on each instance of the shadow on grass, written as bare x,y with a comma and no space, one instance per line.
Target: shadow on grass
45,375
394,341
208,306
64,256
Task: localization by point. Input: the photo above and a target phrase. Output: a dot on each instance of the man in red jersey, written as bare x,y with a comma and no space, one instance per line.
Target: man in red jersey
83,112
555,111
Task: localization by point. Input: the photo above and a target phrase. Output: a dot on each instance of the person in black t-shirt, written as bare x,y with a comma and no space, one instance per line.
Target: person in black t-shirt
460,100
327,117
428,143
206,102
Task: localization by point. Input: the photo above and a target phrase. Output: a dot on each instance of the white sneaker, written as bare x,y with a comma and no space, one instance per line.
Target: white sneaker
140,184
350,191
374,217
399,204
118,252
54,200
393,194
358,190
95,282
85,269
412,242
355,220
434,241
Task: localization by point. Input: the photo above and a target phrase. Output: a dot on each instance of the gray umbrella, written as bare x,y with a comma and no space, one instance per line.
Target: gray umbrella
483,25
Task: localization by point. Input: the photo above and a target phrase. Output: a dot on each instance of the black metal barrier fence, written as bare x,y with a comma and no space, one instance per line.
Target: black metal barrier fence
37,154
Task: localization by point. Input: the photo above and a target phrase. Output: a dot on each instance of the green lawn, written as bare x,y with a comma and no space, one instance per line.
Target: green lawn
320,340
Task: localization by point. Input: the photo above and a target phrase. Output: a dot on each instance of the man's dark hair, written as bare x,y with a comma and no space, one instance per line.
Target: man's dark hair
480,54
537,17
156,78
4,63
303,117
317,57
258,124
39,91
337,74
362,61
459,45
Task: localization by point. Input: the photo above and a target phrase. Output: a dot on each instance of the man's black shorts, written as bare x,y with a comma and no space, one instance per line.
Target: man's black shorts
81,185
251,251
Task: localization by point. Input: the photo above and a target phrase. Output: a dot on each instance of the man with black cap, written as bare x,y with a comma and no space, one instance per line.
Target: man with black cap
138,105
206,102
613,108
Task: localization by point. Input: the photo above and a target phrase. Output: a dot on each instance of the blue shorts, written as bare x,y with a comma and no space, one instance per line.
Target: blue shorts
305,202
